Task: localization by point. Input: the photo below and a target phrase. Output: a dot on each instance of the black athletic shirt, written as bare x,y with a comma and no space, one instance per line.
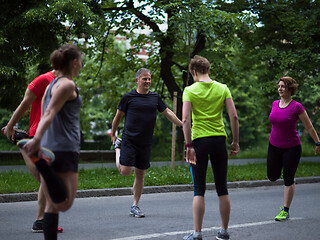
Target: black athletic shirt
140,115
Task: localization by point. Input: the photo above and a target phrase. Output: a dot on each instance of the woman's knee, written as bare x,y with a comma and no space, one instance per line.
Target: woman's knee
288,182
273,176
199,190
64,206
222,190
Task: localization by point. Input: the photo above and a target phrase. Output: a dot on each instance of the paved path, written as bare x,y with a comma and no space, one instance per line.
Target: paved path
18,197
169,216
159,164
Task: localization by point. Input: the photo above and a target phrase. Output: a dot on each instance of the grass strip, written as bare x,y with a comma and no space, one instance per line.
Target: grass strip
20,182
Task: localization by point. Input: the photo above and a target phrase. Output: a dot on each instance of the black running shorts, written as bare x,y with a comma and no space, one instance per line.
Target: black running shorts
132,155
65,162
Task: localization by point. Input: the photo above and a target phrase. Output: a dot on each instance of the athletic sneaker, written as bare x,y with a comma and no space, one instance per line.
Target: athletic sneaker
117,143
45,153
282,216
38,227
222,234
18,134
192,236
135,211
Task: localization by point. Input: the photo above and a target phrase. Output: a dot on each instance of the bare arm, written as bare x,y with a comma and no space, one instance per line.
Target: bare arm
186,119
232,112
28,99
309,127
172,117
42,100
115,123
62,92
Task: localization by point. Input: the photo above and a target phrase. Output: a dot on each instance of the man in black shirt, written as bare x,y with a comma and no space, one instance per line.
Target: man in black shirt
140,109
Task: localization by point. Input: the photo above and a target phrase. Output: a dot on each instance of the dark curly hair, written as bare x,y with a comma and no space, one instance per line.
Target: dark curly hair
290,83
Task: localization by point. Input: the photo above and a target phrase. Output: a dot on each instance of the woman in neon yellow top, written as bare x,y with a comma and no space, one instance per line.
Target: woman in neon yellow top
206,99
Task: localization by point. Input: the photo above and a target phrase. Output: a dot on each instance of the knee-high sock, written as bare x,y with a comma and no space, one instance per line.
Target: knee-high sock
50,225
56,188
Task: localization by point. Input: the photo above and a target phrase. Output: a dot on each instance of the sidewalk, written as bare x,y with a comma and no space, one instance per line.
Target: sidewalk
18,197
157,164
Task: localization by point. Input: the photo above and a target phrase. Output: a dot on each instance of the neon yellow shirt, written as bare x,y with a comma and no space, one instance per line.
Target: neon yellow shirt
207,100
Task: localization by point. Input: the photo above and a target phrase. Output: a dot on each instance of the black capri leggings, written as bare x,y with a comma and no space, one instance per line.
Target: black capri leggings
283,158
216,148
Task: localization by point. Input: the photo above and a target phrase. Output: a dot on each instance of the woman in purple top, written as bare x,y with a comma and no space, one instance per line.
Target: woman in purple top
284,150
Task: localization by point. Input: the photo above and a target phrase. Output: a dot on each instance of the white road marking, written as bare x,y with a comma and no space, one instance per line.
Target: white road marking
156,235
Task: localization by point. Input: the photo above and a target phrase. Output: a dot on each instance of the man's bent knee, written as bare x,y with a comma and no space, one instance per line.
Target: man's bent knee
125,171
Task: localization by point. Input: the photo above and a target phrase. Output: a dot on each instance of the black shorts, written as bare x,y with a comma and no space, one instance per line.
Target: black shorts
132,155
283,158
215,147
65,162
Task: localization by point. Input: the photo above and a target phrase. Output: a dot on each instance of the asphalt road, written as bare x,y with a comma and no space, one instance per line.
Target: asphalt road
169,216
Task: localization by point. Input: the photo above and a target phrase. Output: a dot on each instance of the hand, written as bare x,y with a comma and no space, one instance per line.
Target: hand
191,156
113,139
317,150
235,148
9,133
32,147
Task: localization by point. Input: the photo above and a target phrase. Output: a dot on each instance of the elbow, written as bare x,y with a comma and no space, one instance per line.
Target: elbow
184,121
235,118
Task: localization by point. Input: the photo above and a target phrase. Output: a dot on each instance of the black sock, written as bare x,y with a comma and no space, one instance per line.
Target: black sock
286,209
50,225
56,188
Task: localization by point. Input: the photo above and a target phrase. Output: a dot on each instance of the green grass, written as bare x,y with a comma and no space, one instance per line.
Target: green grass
99,178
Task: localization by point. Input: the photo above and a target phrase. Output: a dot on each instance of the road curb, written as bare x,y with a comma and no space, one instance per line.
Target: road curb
108,192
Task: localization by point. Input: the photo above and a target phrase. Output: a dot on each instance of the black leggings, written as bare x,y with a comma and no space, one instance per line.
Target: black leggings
283,158
216,148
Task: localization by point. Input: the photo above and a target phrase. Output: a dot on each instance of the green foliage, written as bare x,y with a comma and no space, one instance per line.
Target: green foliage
285,42
102,86
17,182
29,32
250,44
5,115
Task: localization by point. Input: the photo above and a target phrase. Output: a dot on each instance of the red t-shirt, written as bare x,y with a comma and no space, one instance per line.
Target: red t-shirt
38,87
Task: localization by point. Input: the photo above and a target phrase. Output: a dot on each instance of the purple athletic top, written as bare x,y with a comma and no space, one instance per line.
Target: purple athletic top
283,132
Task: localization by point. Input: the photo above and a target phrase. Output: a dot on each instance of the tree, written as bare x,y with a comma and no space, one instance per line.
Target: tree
29,32
286,42
193,27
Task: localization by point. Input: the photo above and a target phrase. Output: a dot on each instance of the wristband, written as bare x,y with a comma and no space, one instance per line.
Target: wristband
318,144
188,145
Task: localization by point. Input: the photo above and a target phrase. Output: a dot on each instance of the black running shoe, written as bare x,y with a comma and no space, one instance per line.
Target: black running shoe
18,134
37,226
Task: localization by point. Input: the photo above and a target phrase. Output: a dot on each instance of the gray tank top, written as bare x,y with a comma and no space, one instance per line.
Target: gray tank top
63,134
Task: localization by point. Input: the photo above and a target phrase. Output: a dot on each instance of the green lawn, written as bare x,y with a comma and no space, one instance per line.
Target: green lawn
98,178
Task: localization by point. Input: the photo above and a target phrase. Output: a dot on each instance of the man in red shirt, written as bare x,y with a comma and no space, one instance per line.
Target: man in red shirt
33,96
